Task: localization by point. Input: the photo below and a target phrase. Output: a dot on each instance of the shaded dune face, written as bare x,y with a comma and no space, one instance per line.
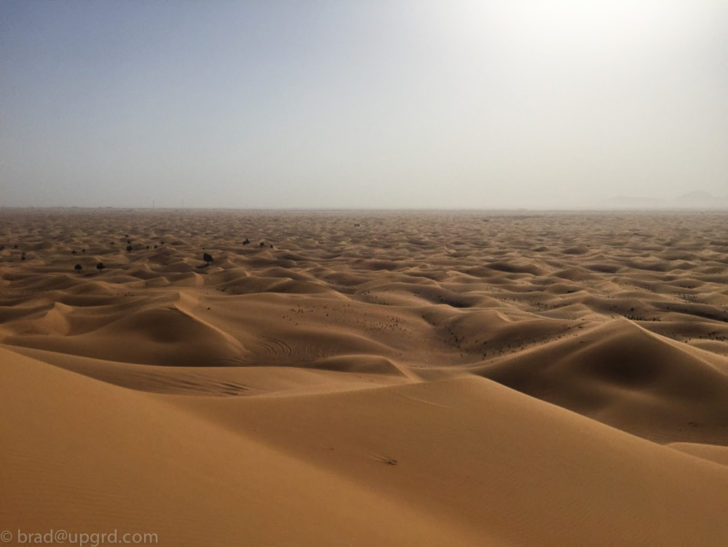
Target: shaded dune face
482,378
628,377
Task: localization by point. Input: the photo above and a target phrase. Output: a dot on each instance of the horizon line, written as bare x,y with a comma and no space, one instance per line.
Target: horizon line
717,208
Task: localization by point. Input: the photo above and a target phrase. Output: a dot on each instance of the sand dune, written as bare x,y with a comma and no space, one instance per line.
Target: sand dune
628,377
711,452
138,464
366,378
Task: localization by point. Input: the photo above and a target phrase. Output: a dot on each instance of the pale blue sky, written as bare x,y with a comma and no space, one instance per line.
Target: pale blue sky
361,104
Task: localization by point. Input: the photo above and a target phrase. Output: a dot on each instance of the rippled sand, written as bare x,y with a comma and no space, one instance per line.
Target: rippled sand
352,378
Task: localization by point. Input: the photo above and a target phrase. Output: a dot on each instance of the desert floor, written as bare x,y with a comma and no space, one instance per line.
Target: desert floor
352,378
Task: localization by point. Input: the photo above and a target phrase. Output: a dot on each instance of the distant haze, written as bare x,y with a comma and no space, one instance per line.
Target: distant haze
280,104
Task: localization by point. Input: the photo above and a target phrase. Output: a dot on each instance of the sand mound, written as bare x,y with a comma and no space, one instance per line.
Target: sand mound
373,364
710,452
491,459
165,336
626,376
185,479
329,386
371,469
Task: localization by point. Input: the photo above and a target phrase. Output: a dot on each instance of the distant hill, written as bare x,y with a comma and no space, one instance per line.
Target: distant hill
692,200
701,200
636,202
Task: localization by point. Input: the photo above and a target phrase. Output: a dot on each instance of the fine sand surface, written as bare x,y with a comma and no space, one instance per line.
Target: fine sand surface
352,378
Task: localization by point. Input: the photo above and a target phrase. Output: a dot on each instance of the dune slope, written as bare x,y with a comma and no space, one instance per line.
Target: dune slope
463,460
366,378
628,377
85,455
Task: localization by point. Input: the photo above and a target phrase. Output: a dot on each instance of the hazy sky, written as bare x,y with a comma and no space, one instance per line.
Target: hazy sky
370,103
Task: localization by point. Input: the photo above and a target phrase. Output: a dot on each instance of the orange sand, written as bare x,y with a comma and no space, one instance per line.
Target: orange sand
370,379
